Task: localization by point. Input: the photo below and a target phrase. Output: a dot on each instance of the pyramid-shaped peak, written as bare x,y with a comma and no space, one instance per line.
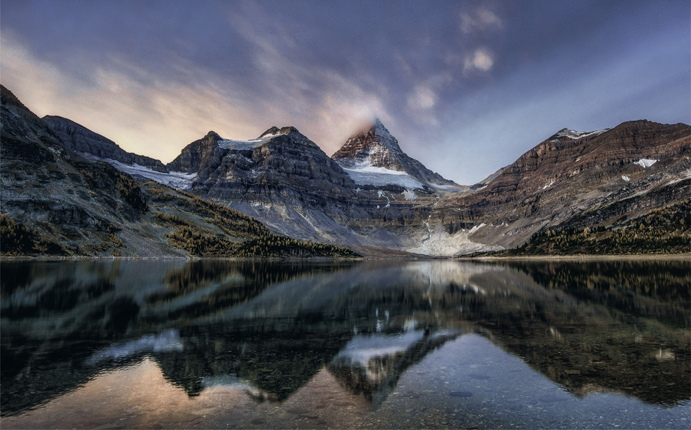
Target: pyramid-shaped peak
376,141
375,127
375,148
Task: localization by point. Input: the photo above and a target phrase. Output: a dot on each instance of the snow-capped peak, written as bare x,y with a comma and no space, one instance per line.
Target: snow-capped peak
374,157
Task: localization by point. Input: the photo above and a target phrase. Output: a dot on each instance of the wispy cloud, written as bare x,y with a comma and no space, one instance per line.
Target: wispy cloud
154,120
479,20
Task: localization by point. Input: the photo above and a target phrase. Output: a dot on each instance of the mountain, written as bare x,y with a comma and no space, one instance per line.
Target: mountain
574,179
57,202
84,141
375,158
370,195
63,203
287,182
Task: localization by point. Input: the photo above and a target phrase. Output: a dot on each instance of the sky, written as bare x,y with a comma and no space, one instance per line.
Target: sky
465,86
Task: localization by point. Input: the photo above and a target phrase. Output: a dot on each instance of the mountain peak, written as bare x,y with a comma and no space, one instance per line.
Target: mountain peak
377,148
273,131
288,130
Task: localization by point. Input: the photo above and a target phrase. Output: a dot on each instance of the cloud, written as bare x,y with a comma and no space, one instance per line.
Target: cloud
479,20
155,115
422,98
156,121
154,77
480,60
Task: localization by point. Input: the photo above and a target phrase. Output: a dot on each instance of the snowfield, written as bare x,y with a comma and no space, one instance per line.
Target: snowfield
177,180
241,145
367,174
451,188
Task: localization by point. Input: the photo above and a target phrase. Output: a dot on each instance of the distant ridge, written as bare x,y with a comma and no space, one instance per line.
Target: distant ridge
80,139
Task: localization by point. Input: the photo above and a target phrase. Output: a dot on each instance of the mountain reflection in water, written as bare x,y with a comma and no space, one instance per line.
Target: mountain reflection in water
269,328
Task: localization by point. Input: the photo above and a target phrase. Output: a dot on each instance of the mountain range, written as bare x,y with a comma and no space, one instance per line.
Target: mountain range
369,196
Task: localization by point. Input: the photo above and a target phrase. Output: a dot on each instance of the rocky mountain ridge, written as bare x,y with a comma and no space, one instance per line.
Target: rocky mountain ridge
636,166
371,196
286,181
56,201
82,140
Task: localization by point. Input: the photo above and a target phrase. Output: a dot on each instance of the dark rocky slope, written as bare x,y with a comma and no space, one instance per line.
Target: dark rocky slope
57,202
58,194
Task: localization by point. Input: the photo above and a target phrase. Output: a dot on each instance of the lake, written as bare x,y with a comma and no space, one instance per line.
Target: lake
344,344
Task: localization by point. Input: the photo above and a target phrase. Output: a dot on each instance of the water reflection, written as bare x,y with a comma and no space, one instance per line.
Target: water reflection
269,329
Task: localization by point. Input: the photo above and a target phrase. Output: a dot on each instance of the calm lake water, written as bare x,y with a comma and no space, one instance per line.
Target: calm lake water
251,344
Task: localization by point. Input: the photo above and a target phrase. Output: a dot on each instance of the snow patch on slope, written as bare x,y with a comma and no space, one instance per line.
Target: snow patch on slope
409,195
177,180
240,145
645,162
476,228
450,188
575,135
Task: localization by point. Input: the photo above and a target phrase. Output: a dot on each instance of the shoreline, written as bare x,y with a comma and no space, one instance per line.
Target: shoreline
583,257
171,258
578,257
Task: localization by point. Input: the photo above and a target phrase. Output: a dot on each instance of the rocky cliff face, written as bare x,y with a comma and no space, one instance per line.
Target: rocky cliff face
199,153
82,140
